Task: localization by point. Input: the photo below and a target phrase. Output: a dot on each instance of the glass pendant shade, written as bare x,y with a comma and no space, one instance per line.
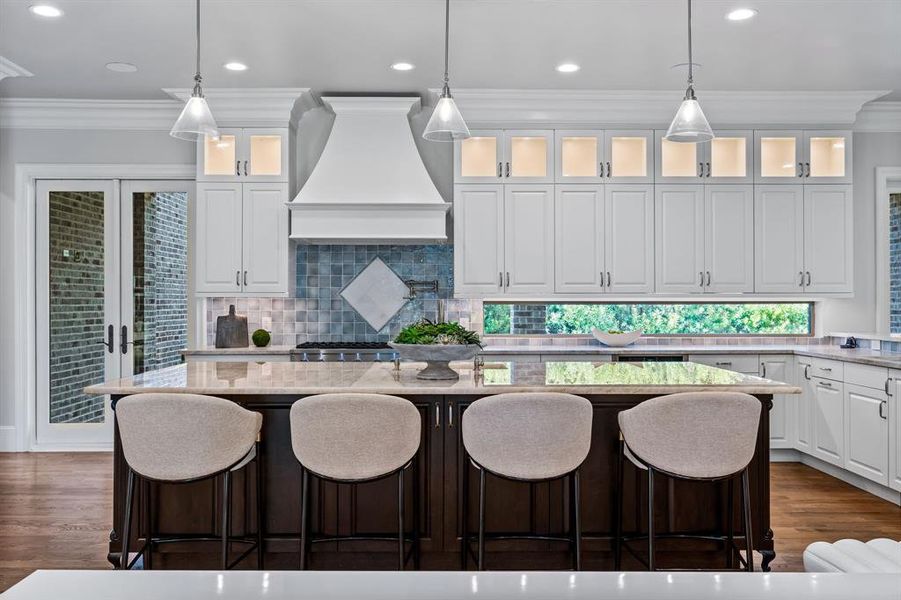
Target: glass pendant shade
689,124
446,124
195,121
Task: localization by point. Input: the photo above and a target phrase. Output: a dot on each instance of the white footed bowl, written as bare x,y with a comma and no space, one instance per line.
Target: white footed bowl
626,338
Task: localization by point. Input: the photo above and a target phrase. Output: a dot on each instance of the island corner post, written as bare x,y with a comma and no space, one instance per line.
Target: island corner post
511,507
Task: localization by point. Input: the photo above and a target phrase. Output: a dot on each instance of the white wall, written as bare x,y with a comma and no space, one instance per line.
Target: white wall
46,146
858,314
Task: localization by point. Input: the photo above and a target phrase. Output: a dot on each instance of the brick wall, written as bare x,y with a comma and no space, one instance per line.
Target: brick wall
529,319
895,262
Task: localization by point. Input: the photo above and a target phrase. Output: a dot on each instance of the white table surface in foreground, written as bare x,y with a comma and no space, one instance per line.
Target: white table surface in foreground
437,585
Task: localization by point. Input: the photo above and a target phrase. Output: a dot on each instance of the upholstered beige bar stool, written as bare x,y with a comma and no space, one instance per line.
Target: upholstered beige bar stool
528,437
183,438
357,438
699,436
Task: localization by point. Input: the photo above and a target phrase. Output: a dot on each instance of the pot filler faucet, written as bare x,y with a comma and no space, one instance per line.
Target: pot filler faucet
425,286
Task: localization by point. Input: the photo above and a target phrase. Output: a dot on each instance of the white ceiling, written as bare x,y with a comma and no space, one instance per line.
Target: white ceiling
347,45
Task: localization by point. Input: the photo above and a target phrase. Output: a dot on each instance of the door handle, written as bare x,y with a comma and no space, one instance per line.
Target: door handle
700,169
763,369
825,384
109,339
808,278
450,414
238,278
123,346
887,382
701,273
508,278
881,405
602,278
807,372
437,415
500,279
723,363
808,169
708,169
609,279
708,278
500,169
508,169
609,170
801,275
800,169
601,167
245,278
245,168
238,168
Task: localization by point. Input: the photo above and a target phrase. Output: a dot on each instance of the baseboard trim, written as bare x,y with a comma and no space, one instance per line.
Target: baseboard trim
7,438
878,490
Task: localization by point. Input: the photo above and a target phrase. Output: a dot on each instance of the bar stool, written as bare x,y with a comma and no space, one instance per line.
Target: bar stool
357,438
698,436
528,437
184,438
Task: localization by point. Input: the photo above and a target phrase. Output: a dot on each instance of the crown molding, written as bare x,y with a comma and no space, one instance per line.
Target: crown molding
879,116
62,113
494,106
10,69
262,107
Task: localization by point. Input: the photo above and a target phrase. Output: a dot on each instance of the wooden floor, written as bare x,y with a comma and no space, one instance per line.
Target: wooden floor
55,513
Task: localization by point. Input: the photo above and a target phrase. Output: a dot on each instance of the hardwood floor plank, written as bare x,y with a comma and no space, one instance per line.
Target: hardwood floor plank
55,512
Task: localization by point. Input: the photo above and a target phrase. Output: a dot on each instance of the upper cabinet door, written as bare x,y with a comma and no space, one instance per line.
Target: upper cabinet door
629,156
218,159
578,239
480,158
629,238
729,246
529,156
678,162
827,157
679,211
730,157
219,238
779,239
478,240
779,157
828,238
579,156
264,155
265,256
528,239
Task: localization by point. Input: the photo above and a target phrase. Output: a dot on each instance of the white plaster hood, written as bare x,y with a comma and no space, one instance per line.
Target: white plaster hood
369,185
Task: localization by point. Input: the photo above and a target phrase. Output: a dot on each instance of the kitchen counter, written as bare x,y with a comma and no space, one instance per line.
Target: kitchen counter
614,378
248,350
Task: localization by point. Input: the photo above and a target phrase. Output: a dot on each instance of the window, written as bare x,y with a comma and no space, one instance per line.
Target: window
653,319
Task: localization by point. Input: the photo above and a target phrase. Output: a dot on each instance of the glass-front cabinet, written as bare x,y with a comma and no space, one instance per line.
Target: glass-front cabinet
252,155
796,156
505,156
728,158
593,156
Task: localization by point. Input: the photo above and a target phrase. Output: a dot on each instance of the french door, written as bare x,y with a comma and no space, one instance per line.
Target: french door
111,294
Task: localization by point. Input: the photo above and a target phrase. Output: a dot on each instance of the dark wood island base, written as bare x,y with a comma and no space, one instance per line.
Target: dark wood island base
512,508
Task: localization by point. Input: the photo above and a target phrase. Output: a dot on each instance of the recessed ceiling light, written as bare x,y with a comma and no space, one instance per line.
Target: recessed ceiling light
403,66
568,67
45,10
741,14
235,66
121,67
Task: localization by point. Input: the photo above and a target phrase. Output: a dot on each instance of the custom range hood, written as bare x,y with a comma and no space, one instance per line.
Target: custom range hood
369,186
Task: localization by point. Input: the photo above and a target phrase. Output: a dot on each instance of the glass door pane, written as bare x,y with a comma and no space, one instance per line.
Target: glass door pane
678,159
778,157
728,157
220,154
628,156
579,156
528,156
265,154
76,285
827,156
479,156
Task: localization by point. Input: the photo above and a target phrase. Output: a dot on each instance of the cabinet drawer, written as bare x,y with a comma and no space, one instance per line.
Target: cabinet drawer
866,376
827,369
505,358
742,363
555,357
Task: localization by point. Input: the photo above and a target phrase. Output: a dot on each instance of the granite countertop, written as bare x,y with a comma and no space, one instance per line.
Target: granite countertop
251,378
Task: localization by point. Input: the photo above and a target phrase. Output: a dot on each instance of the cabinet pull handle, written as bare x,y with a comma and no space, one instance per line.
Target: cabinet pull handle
723,363
825,384
238,168
500,169
700,169
437,415
500,279
238,278
601,167
763,369
881,413
609,170
708,278
888,380
808,278
808,169
508,278
801,275
609,279
245,167
708,169
245,278
602,278
701,273
508,169
807,372
450,414
800,169
827,369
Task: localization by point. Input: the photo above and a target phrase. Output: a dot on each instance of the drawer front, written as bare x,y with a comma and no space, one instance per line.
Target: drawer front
827,368
520,358
867,376
556,357
742,363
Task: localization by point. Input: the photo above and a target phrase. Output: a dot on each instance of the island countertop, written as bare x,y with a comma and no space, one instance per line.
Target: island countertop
255,378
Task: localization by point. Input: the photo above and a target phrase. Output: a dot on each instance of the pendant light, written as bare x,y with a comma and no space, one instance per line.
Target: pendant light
195,120
446,124
689,124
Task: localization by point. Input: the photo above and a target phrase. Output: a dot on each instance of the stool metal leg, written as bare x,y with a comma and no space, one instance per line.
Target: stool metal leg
259,474
304,517
226,516
746,501
481,565
400,520
651,566
577,520
618,518
126,524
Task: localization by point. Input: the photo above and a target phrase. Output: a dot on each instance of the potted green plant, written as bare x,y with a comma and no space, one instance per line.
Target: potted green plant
436,344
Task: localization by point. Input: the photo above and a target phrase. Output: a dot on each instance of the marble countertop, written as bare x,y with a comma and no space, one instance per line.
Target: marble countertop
253,350
251,378
441,585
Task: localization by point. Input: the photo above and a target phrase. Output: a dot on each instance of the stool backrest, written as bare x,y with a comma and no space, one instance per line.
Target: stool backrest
528,436
354,437
703,435
179,437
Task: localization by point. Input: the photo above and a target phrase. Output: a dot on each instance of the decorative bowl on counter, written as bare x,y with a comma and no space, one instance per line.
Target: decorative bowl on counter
437,357
616,338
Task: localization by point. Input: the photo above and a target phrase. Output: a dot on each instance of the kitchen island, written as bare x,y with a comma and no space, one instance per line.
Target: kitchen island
512,507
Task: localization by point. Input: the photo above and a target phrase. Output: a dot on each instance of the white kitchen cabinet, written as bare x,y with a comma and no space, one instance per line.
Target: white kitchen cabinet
479,239
241,232
612,156
829,421
579,226
866,432
804,405
782,415
728,158
245,155
779,239
705,239
893,408
480,157
800,157
579,156
629,238
528,239
828,238
679,216
505,156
